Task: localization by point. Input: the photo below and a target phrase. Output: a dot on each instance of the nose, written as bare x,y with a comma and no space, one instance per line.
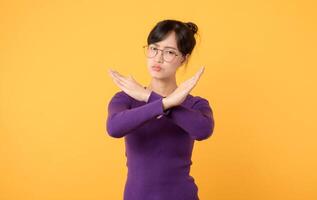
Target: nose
160,57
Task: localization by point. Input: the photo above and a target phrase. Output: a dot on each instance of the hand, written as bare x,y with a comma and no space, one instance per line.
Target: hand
130,86
180,93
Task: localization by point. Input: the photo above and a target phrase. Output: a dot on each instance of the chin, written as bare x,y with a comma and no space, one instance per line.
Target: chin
156,76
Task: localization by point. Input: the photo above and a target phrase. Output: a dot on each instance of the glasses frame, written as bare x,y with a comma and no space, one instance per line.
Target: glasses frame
147,46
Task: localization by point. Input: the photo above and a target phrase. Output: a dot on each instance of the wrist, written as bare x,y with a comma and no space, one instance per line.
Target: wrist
166,103
147,95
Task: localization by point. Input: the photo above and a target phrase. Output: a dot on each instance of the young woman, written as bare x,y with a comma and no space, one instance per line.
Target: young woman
161,121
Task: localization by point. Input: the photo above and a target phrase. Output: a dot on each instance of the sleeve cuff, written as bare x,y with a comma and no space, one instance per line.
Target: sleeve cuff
154,96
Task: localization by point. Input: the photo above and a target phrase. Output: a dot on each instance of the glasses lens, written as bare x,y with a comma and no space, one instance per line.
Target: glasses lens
169,55
150,51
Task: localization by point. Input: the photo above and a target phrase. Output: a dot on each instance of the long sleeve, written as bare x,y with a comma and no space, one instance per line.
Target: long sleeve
197,121
154,97
122,119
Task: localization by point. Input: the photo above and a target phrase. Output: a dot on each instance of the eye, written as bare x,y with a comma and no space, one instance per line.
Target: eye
171,52
153,48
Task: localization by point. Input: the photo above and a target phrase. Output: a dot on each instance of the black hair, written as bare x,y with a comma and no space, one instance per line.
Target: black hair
184,31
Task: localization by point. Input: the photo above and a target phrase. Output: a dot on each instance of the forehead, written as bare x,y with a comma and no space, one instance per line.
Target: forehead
168,42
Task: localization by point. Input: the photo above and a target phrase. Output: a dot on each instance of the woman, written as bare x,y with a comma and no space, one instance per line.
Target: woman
161,121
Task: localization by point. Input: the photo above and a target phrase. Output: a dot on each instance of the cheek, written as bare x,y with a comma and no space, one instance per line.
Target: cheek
178,61
174,65
149,63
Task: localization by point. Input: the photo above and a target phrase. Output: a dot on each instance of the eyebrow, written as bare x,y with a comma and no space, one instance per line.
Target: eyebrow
166,46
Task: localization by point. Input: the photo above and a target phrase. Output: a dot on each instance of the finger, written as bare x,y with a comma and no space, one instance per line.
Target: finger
202,68
112,75
123,77
130,77
117,79
110,72
116,83
128,81
119,83
122,86
200,71
118,74
197,74
120,77
190,83
134,81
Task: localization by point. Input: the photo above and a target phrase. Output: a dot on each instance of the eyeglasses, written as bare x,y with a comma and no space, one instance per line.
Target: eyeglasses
151,51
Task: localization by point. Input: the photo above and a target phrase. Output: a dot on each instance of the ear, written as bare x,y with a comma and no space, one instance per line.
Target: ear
185,58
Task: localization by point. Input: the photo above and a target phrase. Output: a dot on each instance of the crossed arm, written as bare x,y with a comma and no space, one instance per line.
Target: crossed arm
197,121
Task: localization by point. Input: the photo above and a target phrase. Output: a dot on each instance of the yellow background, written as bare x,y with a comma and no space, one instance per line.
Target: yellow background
260,79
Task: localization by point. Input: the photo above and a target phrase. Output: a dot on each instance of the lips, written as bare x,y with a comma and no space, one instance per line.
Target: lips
156,68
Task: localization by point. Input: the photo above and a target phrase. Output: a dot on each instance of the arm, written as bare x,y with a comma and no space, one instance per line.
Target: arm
197,121
122,119
153,97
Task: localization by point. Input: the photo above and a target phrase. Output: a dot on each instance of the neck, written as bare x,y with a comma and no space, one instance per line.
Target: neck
162,87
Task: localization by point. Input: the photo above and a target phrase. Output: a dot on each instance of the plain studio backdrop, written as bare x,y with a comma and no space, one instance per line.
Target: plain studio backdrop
260,79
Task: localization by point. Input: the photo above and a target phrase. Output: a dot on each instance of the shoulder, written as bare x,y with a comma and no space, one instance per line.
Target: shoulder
121,96
197,101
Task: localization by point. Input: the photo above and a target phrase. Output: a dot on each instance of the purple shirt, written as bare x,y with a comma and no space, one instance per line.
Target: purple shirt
159,144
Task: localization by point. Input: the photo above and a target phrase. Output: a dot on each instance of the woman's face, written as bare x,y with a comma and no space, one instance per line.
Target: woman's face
157,66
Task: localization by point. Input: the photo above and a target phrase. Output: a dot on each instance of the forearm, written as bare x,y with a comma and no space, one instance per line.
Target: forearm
166,104
198,123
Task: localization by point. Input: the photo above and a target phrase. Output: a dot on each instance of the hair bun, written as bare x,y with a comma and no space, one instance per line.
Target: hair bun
193,27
